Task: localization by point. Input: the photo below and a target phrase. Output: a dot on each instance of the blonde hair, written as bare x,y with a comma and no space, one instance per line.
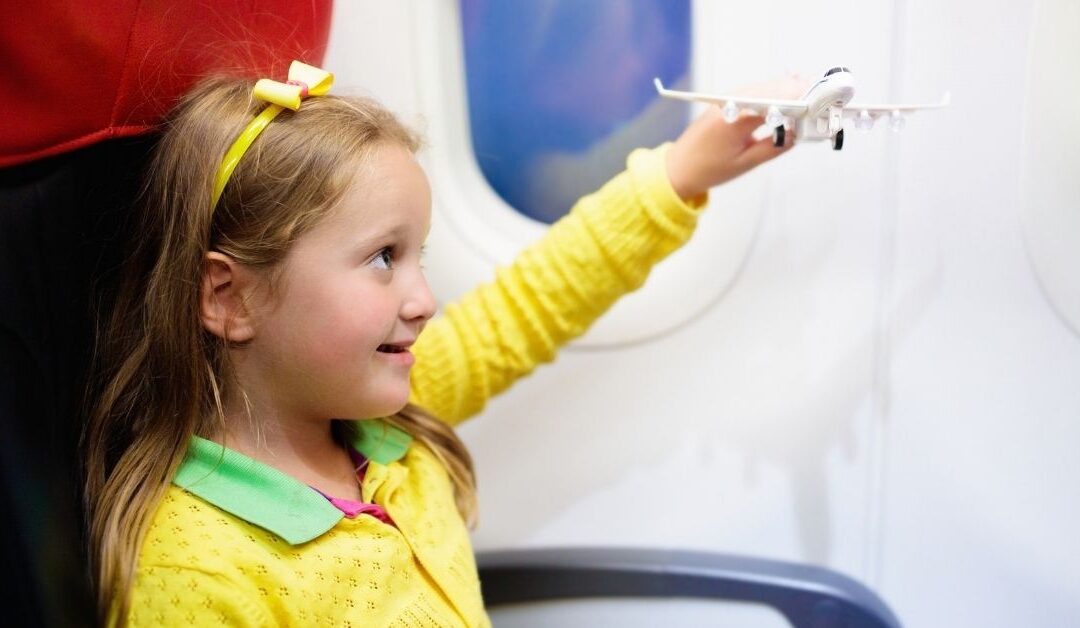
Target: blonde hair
160,375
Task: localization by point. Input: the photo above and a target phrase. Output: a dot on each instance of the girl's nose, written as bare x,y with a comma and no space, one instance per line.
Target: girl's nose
420,303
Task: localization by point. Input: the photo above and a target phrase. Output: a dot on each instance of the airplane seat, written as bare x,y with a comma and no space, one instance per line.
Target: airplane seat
520,585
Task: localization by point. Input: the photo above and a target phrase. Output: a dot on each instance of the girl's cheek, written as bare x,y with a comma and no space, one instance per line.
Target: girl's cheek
348,332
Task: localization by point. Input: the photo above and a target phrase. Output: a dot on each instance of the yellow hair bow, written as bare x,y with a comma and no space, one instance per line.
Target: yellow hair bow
304,80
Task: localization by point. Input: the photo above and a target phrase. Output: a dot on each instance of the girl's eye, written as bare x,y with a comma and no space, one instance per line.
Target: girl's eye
384,259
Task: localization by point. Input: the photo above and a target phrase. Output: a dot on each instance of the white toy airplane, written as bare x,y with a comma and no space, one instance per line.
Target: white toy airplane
820,113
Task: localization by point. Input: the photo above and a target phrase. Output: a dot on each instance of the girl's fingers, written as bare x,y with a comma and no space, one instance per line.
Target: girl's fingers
763,150
746,124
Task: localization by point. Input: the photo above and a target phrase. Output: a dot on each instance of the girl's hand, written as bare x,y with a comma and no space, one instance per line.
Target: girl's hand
711,151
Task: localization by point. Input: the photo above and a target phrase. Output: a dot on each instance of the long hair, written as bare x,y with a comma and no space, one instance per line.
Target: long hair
160,377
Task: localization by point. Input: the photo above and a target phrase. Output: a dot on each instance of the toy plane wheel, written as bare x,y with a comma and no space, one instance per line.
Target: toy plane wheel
838,140
778,136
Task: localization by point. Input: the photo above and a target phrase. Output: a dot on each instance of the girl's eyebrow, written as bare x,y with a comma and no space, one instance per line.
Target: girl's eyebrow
380,236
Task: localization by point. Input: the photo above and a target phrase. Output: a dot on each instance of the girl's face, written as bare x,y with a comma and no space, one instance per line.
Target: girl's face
332,341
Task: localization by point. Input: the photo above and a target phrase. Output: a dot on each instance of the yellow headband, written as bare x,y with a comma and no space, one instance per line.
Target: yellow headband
304,81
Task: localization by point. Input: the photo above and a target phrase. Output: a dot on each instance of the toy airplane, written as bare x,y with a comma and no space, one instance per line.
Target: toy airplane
820,113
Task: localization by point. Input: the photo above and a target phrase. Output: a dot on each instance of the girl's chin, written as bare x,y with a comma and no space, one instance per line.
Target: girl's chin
390,406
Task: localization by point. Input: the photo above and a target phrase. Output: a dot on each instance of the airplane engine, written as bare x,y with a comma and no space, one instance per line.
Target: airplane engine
897,121
864,122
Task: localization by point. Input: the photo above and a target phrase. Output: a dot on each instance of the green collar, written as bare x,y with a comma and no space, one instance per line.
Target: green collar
270,499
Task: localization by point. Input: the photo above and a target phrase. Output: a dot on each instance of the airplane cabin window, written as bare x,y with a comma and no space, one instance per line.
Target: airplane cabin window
533,105
560,91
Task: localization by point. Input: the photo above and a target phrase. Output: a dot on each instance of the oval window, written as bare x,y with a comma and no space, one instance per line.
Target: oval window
560,91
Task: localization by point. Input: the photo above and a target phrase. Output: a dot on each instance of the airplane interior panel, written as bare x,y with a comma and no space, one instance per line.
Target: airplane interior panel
1049,195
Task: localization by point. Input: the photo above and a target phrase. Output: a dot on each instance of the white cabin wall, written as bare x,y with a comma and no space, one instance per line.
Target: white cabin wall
983,471
883,388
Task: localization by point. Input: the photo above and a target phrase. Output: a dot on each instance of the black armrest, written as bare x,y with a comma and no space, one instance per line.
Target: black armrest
806,596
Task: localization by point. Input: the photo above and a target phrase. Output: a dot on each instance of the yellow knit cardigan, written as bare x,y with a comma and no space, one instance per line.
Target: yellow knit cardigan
230,550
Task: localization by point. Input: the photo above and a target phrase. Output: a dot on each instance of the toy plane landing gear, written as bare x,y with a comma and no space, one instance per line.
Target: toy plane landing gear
819,115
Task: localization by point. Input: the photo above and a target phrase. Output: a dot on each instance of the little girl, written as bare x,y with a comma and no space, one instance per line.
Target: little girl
265,449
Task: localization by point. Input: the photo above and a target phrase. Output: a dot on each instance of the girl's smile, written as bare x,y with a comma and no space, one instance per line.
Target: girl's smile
398,352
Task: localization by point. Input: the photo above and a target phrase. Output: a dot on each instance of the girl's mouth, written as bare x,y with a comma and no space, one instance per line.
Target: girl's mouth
397,354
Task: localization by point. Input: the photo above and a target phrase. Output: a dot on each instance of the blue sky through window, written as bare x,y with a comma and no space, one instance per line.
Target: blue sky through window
560,91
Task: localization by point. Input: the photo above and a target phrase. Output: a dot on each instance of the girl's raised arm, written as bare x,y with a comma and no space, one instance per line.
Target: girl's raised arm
603,249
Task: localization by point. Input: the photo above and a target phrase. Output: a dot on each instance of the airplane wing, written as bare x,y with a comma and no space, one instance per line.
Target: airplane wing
792,108
854,109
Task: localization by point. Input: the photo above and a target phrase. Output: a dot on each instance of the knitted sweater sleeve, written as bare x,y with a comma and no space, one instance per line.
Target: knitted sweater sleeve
604,248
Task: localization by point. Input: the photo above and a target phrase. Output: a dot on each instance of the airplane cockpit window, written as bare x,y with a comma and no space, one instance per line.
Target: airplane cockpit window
560,91
835,70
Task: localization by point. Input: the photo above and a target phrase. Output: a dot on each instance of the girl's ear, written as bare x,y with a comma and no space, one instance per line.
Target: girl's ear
223,298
